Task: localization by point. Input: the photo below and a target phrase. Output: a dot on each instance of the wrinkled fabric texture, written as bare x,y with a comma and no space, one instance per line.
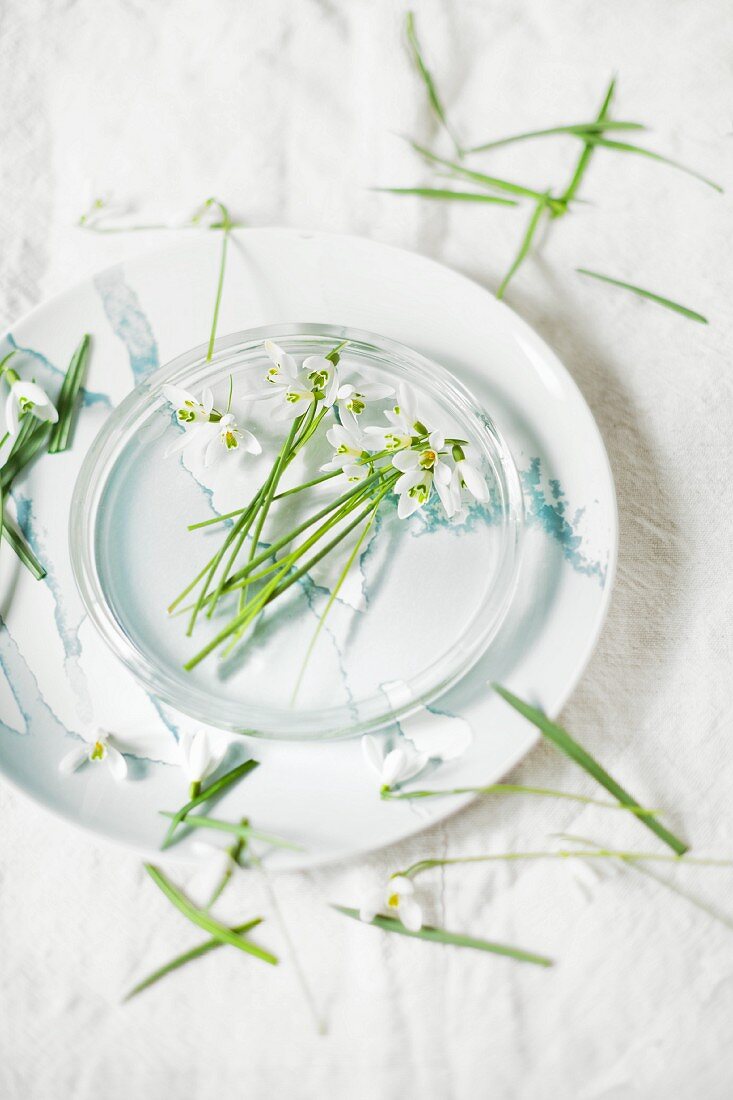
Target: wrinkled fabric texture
290,112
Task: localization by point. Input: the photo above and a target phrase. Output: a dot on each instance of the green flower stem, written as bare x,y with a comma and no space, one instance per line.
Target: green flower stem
212,566
226,225
339,507
213,791
562,854
188,956
231,535
243,530
203,920
5,360
275,587
513,788
246,832
285,539
282,460
282,581
332,598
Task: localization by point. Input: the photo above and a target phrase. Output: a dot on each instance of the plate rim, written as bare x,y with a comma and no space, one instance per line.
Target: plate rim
516,324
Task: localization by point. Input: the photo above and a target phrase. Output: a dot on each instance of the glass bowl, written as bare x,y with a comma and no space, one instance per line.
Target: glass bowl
422,603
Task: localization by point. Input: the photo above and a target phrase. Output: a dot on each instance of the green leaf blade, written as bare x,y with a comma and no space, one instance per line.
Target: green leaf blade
427,79
199,917
213,790
576,129
186,957
441,193
456,939
68,398
639,150
567,744
15,538
648,294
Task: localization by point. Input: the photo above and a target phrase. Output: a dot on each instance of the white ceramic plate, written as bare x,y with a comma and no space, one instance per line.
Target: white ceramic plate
59,680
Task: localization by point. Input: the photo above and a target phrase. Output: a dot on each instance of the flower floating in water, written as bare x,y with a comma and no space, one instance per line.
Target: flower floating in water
405,457
352,397
420,469
295,390
228,436
199,757
202,423
394,899
393,767
99,750
189,409
350,451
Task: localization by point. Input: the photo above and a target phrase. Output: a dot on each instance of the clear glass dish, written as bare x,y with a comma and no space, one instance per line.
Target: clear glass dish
425,599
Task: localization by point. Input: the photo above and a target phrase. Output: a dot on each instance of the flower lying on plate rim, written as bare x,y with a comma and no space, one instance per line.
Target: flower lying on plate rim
99,750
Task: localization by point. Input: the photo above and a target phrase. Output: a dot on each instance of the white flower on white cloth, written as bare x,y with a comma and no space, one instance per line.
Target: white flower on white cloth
394,899
419,470
350,454
99,749
199,756
353,397
26,399
396,766
189,409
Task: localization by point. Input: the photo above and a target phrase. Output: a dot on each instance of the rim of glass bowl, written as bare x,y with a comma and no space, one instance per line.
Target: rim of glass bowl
256,720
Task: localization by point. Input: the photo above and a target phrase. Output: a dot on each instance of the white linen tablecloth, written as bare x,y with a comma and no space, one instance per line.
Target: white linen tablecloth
289,111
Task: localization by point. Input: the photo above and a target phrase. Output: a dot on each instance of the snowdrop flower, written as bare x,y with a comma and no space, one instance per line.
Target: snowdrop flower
469,476
352,397
394,899
26,399
203,424
100,749
228,436
403,422
349,455
295,390
394,767
198,757
419,470
189,410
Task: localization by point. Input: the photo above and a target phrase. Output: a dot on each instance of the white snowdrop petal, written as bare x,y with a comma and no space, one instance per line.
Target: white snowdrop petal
392,766
73,759
475,482
372,752
117,763
410,914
